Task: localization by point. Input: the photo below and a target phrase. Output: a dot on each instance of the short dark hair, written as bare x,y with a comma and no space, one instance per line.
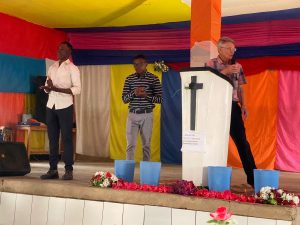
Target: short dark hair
140,56
67,44
224,40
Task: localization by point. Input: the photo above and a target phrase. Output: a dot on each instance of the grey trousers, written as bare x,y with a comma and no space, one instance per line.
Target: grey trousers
136,123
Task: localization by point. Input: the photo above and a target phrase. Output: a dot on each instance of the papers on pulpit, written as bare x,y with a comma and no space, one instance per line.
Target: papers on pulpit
193,141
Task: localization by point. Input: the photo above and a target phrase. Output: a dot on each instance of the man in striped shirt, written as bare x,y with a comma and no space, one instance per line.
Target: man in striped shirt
141,90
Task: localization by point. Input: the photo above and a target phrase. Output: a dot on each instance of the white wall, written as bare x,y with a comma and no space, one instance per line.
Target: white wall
20,209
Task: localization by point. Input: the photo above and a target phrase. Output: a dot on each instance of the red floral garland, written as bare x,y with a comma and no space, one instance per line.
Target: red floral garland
183,187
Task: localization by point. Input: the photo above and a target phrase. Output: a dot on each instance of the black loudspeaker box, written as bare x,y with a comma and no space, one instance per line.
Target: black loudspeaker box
13,159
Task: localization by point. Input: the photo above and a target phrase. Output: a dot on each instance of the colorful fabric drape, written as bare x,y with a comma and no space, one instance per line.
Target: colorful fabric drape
170,39
21,38
17,73
171,122
110,57
282,32
118,117
261,125
12,107
93,111
66,13
285,14
23,49
288,135
257,65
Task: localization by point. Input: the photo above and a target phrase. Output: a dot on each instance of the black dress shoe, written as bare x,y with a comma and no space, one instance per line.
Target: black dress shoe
68,175
51,174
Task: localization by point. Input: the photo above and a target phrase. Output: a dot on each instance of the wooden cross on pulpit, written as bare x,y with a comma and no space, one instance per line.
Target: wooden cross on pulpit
194,86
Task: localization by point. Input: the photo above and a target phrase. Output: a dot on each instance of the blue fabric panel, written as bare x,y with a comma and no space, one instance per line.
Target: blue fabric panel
273,50
17,73
171,119
262,16
109,57
171,25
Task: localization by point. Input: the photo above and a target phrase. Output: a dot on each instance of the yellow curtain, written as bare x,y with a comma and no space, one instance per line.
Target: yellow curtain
118,117
261,93
29,105
37,139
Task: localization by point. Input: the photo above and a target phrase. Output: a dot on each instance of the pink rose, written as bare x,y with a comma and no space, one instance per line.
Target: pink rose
221,214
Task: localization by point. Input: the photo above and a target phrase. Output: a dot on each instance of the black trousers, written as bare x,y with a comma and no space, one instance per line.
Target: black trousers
60,120
238,134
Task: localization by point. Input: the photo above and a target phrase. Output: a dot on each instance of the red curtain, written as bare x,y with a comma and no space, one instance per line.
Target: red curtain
21,38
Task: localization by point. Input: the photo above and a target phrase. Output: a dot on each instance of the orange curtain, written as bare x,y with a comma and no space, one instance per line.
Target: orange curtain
12,107
261,93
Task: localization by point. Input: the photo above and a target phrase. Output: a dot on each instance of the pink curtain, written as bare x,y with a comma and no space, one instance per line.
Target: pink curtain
274,32
288,128
163,39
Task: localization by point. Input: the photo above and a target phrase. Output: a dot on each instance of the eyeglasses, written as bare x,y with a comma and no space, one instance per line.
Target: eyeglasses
230,49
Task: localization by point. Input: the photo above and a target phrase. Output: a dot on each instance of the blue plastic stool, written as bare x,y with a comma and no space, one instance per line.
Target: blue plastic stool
219,178
264,178
124,169
150,172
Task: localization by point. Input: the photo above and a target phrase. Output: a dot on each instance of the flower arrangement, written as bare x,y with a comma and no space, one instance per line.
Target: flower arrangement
103,179
268,195
160,66
221,216
183,187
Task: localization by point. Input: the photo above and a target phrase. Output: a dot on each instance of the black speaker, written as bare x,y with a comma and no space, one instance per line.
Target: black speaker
13,159
41,99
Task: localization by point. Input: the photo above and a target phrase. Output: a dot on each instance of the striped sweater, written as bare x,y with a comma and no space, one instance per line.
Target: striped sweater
152,85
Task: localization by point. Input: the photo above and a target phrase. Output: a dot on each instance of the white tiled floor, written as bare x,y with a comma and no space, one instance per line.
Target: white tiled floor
112,213
133,214
181,216
282,222
155,215
240,220
56,211
23,209
39,211
92,214
74,212
260,221
7,208
202,217
20,209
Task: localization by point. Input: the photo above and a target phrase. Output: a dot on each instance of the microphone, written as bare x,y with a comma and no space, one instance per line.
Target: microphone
232,62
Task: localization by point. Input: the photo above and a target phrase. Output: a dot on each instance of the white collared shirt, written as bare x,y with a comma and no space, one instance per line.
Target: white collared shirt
66,75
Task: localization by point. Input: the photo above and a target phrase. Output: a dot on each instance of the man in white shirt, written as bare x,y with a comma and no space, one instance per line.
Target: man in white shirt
63,81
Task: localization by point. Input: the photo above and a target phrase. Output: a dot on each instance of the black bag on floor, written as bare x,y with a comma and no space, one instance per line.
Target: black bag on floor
13,159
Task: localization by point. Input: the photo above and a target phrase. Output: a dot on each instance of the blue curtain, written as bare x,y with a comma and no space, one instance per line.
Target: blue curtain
272,50
171,124
17,73
109,57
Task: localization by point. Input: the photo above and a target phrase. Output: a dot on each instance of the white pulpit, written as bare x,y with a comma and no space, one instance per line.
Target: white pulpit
206,113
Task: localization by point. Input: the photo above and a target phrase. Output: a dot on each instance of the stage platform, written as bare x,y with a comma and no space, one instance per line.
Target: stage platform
124,205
